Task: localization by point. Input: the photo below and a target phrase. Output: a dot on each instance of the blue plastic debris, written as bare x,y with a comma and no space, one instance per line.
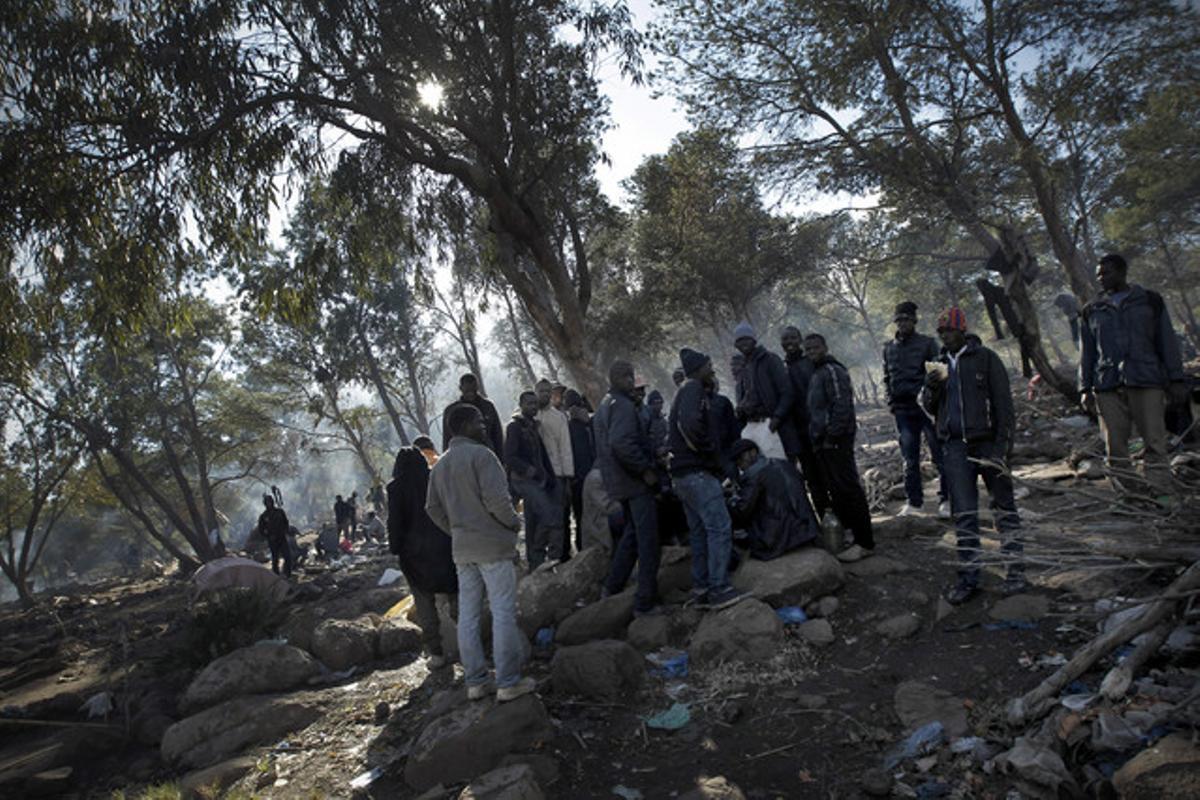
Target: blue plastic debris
544,637
922,740
1077,687
932,789
1010,625
672,719
792,615
669,665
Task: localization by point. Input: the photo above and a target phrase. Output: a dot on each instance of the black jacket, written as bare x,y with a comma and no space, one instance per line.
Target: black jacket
423,549
583,445
273,525
772,505
1128,345
904,369
492,427
525,456
694,431
987,406
764,388
623,447
831,416
800,371
728,425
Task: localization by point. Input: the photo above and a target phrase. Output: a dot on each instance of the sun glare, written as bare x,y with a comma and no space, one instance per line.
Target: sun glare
430,94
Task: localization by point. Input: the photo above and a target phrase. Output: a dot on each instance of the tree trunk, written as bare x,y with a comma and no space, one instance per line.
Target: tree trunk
356,442
514,326
380,386
1180,287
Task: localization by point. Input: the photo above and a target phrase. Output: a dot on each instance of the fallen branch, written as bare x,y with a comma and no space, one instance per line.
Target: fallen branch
1036,702
1116,682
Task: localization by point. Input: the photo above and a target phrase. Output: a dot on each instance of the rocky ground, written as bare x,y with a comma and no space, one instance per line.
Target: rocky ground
883,690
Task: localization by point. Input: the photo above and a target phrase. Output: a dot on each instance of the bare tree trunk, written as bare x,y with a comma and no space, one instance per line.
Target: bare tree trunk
378,382
526,366
1180,287
352,435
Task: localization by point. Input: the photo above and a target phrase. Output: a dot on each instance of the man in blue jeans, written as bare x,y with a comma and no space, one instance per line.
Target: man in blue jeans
468,498
697,467
904,360
972,402
626,456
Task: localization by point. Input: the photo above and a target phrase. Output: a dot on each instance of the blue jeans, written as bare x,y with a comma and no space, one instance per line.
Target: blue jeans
640,543
543,520
911,423
710,530
962,476
500,580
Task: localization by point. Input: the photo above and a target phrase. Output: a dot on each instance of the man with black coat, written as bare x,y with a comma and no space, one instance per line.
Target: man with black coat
832,426
904,360
583,454
626,457
970,398
423,550
698,465
765,398
273,526
532,478
468,387
800,370
771,504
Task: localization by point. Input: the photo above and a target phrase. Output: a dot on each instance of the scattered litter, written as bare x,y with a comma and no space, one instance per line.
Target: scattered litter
1010,625
669,663
1111,733
265,642
367,778
626,792
98,705
672,719
389,576
932,789
923,739
544,638
1078,687
792,615
674,690
966,744
399,609
1078,702
350,687
1036,770
1051,660
1077,421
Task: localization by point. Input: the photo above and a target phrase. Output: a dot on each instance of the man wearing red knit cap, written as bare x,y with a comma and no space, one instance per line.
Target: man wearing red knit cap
967,390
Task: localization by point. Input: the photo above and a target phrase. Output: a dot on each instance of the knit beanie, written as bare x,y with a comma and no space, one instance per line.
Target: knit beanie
692,361
744,330
906,309
952,319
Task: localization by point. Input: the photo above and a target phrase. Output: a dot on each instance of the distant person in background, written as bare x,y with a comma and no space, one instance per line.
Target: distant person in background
352,515
764,398
425,445
422,548
468,388
469,499
678,377
373,529
583,455
904,360
800,370
531,477
273,526
377,499
341,513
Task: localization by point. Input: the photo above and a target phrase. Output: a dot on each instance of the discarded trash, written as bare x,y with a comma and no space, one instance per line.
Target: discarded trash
792,615
367,778
1010,625
923,739
1078,702
674,690
98,705
264,642
399,609
1111,733
932,789
672,719
389,576
966,744
1036,771
1051,660
544,638
1077,421
669,663
626,792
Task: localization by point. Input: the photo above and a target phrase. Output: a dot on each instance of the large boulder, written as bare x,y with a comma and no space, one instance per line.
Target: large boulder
473,739
398,635
901,626
748,631
268,667
1168,770
543,594
515,782
793,579
229,728
213,781
604,619
345,643
606,669
671,628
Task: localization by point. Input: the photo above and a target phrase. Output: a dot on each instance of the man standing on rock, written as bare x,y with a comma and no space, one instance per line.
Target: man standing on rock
904,360
697,467
532,479
832,426
971,401
800,370
468,387
469,499
1130,360
273,526
625,453
765,398
555,430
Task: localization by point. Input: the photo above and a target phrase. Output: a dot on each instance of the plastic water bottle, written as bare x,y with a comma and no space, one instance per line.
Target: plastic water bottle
832,533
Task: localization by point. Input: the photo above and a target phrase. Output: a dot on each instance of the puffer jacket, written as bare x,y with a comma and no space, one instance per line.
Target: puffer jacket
772,505
904,369
1132,344
831,416
986,397
694,431
524,453
623,447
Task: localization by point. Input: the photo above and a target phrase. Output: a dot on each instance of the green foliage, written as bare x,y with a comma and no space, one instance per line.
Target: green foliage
227,620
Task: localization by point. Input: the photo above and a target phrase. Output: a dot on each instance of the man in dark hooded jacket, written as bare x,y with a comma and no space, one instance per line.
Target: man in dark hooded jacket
273,526
765,398
771,504
800,370
532,478
832,426
468,387
423,550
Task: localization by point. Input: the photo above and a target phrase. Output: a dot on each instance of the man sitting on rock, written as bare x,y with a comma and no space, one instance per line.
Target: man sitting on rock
771,503
469,499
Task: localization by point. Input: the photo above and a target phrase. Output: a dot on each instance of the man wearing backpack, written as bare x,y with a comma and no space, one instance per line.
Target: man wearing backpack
1130,360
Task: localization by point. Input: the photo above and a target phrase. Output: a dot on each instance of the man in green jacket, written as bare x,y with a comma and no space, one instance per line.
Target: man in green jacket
468,499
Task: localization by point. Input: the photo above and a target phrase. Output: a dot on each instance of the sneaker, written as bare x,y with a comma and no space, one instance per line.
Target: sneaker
725,599
479,691
853,553
944,510
697,598
1015,582
653,611
436,662
524,686
908,510
960,593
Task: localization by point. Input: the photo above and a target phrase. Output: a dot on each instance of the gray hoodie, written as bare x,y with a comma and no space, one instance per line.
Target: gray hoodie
468,499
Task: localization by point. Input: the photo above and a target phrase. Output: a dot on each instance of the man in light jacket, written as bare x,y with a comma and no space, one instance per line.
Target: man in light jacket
555,429
469,499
